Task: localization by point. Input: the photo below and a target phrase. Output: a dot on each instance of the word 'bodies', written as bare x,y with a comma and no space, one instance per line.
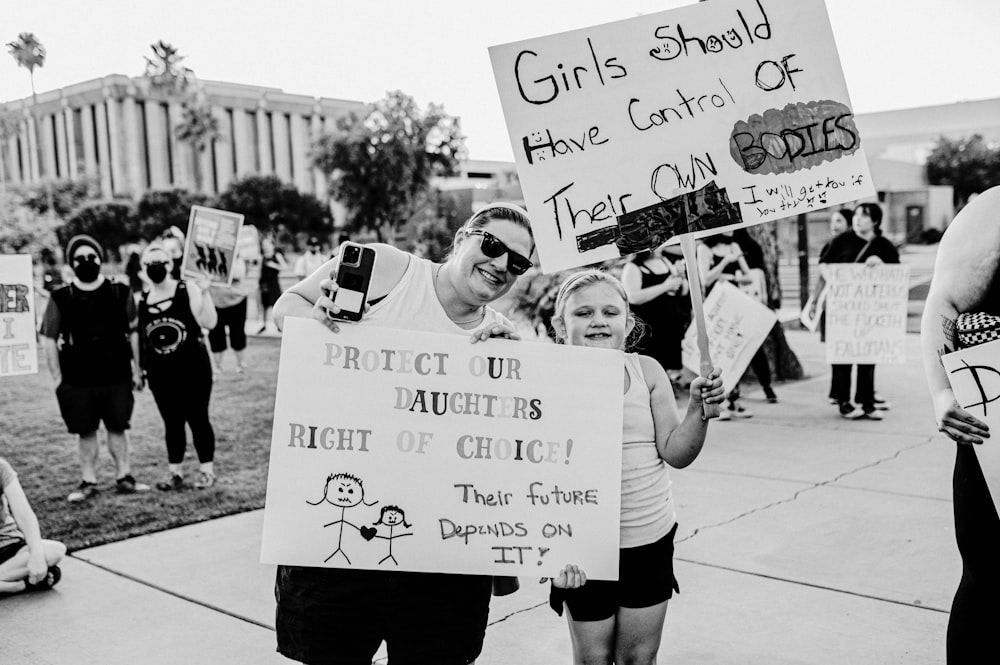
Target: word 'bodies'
402,450
747,96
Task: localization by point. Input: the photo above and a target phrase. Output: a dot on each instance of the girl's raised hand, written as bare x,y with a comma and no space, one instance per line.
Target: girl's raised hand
570,577
708,389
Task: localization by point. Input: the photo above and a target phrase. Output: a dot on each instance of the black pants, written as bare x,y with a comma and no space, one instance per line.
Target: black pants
975,611
864,392
182,391
234,318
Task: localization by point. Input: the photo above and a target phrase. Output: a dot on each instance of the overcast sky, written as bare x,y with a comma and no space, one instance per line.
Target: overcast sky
895,54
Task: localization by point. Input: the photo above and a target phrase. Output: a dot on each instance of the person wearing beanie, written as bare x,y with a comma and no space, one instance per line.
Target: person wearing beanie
89,333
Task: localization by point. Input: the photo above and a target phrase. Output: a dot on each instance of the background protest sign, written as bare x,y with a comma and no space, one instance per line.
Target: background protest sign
210,245
866,313
730,112
737,325
402,450
18,346
974,374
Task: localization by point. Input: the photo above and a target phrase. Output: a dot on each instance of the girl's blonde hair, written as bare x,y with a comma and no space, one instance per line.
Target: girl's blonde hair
580,280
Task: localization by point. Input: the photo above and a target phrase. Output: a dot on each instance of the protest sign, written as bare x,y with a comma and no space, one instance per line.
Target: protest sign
974,374
725,113
866,313
737,325
18,346
210,245
403,450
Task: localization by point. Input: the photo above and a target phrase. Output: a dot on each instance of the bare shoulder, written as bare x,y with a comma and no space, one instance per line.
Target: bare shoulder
655,375
390,264
968,256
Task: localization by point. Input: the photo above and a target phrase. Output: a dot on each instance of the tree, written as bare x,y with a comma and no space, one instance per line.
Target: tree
112,223
277,207
29,53
198,127
970,165
158,210
22,230
381,164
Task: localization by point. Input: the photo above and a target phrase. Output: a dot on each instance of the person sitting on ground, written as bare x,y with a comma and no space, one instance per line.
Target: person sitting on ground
27,561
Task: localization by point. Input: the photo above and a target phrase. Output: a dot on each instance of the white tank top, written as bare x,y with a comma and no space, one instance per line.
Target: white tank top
412,304
647,506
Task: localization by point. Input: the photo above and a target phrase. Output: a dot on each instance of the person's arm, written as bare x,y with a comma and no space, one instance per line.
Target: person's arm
202,305
679,441
967,263
300,267
313,296
711,274
632,281
48,337
27,522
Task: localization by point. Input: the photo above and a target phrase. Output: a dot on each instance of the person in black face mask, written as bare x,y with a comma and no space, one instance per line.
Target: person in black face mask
89,335
171,316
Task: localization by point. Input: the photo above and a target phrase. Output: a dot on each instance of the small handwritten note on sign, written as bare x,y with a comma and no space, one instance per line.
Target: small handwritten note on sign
974,374
866,313
742,102
210,245
401,450
737,325
18,348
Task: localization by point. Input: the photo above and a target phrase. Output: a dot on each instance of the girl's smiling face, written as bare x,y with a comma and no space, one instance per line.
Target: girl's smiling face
595,315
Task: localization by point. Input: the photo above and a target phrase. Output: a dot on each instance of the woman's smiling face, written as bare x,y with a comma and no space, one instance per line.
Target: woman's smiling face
480,279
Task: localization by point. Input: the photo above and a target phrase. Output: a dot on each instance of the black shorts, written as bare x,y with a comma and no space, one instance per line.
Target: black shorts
340,617
83,408
234,318
645,578
9,550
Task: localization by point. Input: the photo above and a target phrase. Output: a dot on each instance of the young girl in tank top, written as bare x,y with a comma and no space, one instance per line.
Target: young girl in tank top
621,622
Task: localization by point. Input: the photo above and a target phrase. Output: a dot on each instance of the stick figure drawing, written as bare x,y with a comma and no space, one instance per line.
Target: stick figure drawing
344,491
391,516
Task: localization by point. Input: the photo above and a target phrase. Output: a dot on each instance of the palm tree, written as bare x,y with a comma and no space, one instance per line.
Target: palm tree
167,76
198,128
29,53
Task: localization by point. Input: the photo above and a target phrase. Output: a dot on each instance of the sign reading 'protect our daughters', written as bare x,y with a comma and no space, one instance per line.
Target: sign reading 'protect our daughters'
400,450
721,113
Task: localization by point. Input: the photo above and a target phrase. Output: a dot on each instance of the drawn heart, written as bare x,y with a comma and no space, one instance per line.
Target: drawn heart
368,533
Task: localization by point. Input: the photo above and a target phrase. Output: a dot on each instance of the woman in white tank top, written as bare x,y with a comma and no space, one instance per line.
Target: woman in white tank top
330,614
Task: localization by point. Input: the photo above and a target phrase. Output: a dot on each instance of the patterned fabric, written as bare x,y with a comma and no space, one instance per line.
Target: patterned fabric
976,328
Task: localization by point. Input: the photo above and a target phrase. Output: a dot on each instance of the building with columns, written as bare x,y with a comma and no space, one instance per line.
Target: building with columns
118,132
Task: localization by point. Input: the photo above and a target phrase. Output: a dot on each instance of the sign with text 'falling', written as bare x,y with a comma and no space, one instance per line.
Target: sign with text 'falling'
866,313
974,374
401,450
731,112
18,346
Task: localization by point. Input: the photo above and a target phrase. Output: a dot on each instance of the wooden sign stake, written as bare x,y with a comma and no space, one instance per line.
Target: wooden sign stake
697,296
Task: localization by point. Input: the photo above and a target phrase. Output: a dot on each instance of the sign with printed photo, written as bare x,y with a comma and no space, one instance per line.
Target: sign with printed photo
18,345
719,114
737,325
403,450
866,313
210,246
974,374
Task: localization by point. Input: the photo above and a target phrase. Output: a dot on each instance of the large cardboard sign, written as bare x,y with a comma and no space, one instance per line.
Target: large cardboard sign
866,313
18,345
974,374
402,450
210,245
725,113
737,325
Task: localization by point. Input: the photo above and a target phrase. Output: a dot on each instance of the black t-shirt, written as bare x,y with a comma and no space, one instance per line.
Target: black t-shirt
848,246
92,330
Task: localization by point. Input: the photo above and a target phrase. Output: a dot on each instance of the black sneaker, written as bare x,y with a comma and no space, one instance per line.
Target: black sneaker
846,409
85,490
127,485
50,580
173,483
769,394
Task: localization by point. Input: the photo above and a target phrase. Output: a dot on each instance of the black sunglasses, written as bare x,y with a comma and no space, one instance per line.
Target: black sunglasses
85,258
493,247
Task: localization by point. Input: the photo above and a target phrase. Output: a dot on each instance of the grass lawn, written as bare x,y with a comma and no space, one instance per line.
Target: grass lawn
34,440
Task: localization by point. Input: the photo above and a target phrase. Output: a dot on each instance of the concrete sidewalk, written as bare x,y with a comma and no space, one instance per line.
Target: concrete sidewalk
804,538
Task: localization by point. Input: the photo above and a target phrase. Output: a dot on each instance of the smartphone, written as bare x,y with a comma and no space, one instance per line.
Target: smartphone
354,275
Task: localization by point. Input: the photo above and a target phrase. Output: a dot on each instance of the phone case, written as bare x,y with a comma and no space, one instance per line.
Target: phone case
352,285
